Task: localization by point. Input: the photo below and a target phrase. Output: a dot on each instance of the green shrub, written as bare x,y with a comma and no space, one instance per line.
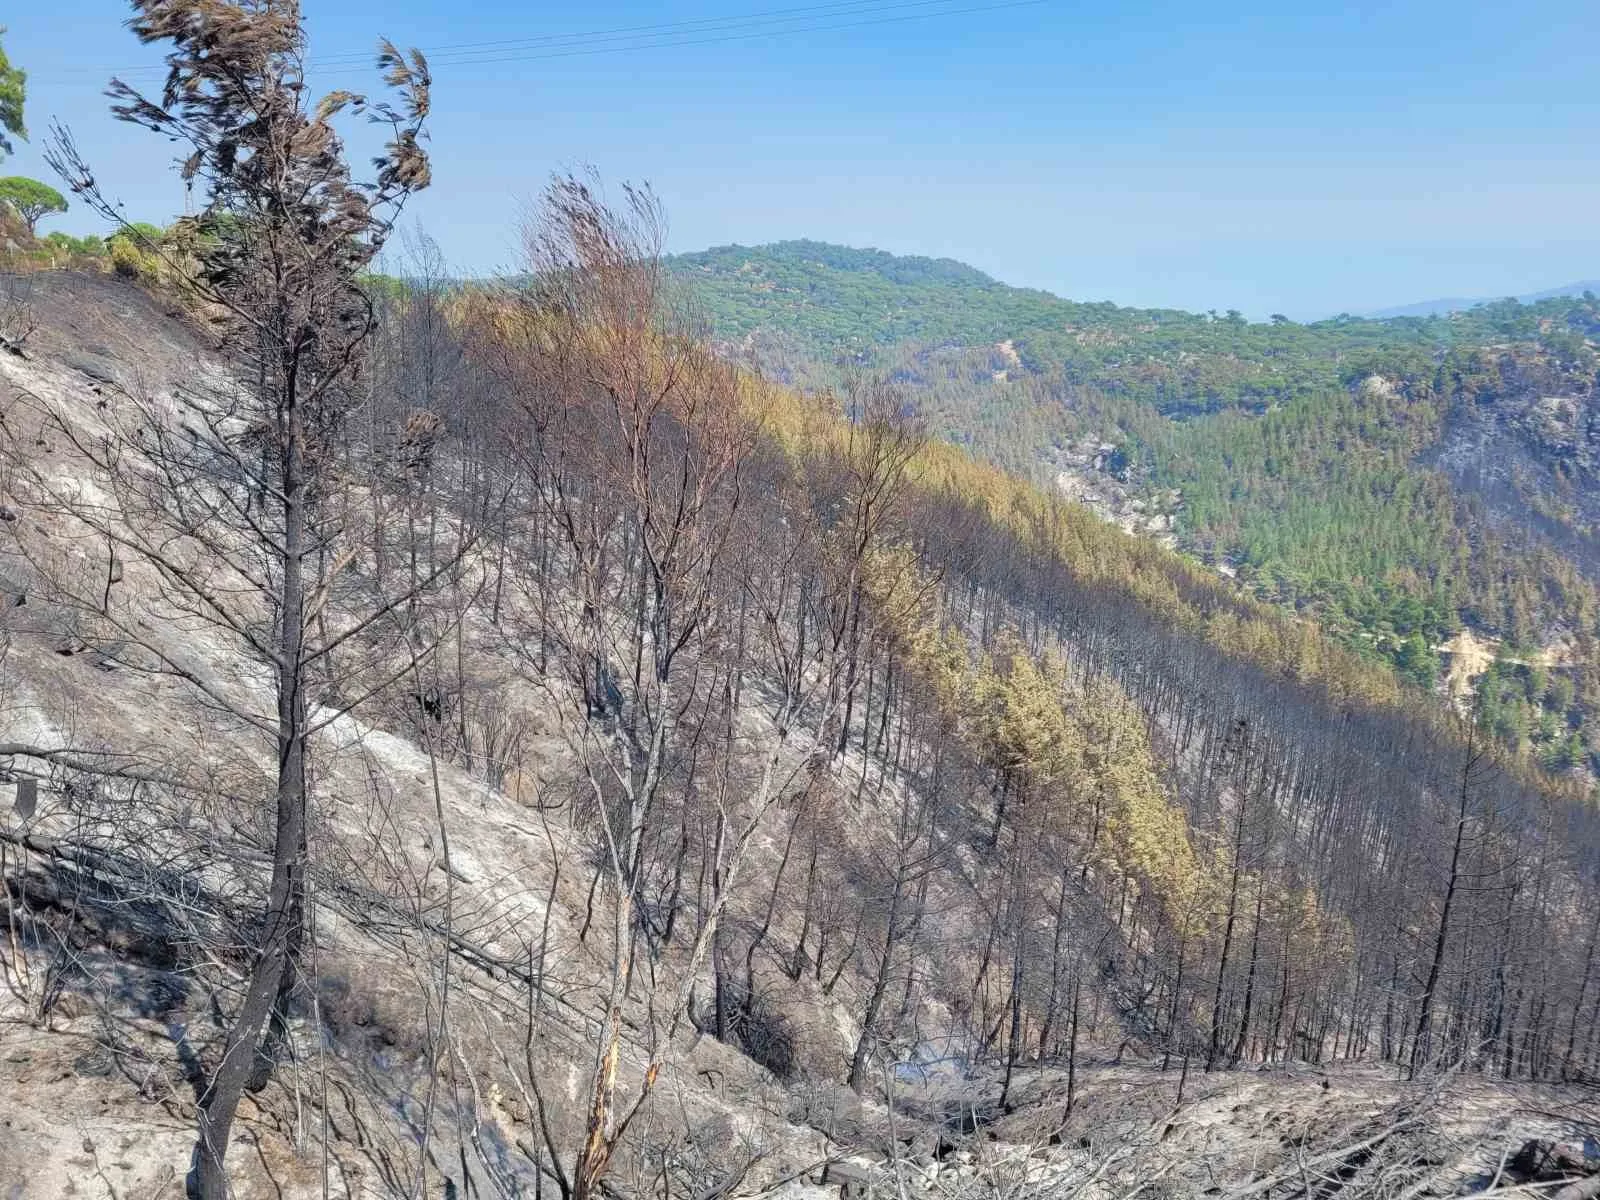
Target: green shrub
132,261
133,253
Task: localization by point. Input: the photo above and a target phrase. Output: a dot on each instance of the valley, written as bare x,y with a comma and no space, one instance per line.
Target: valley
1397,480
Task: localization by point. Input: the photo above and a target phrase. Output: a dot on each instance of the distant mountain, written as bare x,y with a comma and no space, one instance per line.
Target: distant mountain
1399,479
1452,304
834,307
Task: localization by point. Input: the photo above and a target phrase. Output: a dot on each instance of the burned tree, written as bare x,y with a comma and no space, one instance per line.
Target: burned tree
229,496
633,446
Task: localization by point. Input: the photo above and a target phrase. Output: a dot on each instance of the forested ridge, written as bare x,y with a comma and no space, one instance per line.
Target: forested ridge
1337,468
837,302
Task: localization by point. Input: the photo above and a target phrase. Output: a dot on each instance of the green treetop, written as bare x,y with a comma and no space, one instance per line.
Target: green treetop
31,199
13,84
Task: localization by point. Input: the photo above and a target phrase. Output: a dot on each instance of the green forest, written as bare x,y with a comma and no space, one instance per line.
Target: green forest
843,305
1300,453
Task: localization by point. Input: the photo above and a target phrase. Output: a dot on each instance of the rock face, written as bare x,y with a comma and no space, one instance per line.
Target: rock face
1099,476
1524,439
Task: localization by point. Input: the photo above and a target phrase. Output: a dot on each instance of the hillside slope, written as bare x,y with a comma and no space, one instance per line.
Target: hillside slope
1399,480
1059,815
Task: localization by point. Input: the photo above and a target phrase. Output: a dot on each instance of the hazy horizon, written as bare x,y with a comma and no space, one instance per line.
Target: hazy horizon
1268,160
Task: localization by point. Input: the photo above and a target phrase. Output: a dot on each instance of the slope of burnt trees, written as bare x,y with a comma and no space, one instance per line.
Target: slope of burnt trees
1382,886
862,768
1086,814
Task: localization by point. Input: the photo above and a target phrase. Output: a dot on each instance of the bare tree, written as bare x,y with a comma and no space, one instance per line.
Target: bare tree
634,447
1473,756
228,496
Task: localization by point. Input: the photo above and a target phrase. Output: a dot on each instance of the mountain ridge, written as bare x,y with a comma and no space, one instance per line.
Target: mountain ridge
905,268
1453,304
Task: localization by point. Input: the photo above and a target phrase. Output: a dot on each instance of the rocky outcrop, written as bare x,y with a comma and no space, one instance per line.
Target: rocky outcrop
1525,443
1099,476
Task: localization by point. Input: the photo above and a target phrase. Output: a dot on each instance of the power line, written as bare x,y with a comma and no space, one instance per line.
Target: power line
814,18
705,25
477,60
481,60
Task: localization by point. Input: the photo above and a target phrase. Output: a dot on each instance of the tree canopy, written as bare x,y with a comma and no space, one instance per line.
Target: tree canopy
13,85
31,199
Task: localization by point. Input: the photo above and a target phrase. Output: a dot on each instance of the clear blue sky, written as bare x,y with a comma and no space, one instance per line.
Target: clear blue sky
1266,156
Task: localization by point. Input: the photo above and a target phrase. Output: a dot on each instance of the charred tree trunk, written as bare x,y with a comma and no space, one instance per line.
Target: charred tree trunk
1420,1042
245,1057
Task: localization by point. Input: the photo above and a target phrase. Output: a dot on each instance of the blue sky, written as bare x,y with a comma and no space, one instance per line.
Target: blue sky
1266,156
